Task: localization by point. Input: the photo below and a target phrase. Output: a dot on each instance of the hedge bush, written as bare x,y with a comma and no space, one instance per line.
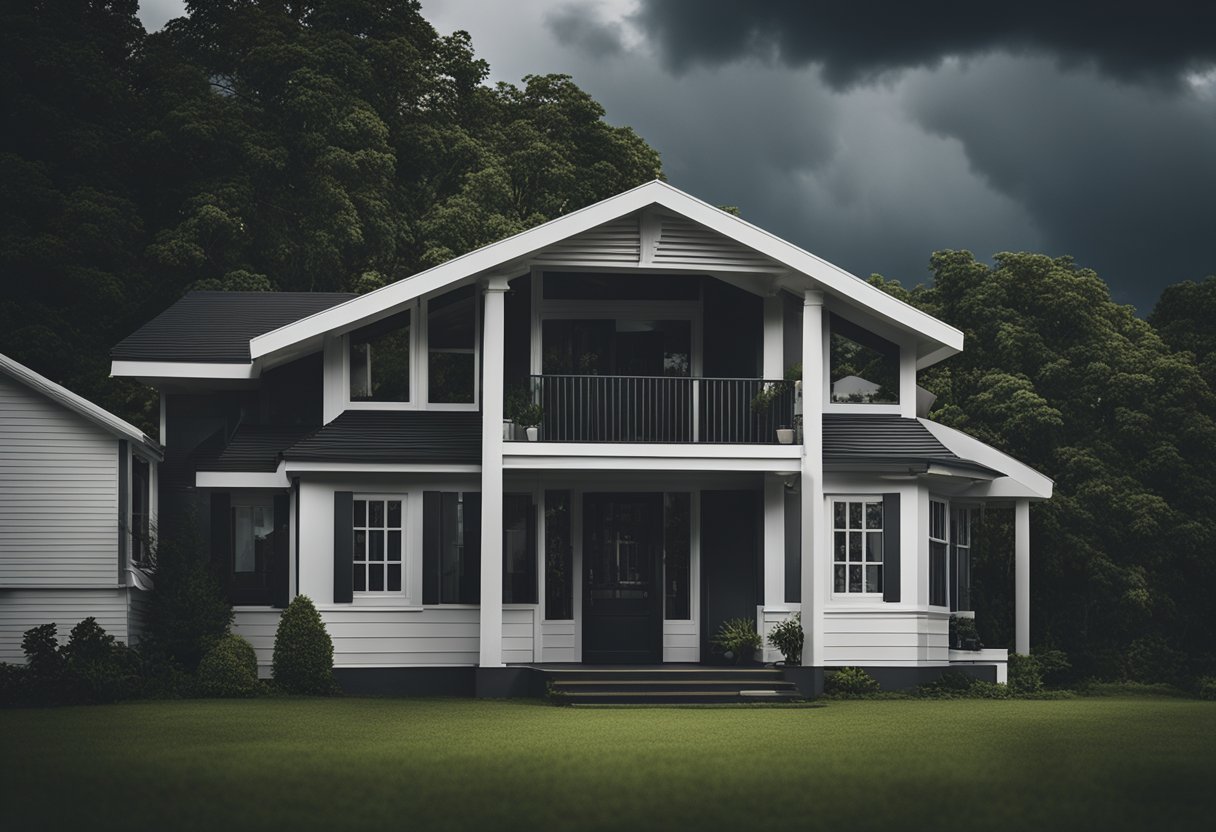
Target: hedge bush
1025,674
92,667
850,681
230,669
303,651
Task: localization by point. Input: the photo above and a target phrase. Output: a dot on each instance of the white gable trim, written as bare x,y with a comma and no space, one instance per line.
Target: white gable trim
509,257
1026,482
65,397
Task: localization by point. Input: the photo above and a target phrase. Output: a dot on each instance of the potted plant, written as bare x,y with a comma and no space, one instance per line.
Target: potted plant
964,635
529,417
785,435
787,637
522,411
738,639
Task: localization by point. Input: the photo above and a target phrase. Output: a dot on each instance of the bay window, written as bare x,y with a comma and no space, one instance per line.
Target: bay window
857,545
938,544
960,583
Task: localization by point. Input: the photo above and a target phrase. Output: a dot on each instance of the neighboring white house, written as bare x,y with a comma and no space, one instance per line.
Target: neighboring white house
354,448
77,506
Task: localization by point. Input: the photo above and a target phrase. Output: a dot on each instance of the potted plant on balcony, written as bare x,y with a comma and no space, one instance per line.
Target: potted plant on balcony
529,416
785,434
739,640
964,635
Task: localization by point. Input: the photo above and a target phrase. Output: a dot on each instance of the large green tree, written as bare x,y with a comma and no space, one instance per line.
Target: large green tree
1058,375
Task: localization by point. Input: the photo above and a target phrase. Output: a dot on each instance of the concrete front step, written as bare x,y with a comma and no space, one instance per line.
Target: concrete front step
638,685
666,697
670,685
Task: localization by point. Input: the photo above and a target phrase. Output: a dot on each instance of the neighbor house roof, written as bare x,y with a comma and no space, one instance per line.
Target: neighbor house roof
395,436
216,327
65,397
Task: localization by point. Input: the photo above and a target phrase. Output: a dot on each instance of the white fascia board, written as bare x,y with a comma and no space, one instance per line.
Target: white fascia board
651,450
621,460
80,405
305,467
181,369
1025,479
242,479
513,249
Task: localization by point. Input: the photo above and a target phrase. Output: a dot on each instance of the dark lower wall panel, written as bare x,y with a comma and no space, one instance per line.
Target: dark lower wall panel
407,681
906,678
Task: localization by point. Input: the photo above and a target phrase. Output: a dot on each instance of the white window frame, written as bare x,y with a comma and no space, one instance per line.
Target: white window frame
864,499
957,512
415,342
382,596
945,542
884,332
423,366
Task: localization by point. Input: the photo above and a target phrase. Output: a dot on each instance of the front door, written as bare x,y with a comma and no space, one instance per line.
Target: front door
622,578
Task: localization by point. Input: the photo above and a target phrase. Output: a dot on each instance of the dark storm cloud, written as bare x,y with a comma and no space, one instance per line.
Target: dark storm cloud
856,41
578,27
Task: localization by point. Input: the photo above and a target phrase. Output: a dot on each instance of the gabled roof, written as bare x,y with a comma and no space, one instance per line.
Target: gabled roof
59,394
215,327
508,257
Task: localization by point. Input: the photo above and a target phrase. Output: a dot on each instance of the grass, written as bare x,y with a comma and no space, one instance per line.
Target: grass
303,764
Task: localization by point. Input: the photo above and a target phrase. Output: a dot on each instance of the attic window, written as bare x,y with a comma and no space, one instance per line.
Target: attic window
380,361
864,367
451,347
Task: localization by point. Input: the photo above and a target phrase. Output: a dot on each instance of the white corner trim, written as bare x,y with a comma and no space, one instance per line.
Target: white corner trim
1035,484
181,369
242,479
497,255
65,397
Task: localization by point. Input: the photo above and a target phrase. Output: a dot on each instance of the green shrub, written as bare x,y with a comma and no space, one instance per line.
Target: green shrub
788,637
99,667
964,635
1205,687
303,651
42,656
230,669
738,636
189,609
1152,660
850,681
954,684
1025,675
1053,664
13,684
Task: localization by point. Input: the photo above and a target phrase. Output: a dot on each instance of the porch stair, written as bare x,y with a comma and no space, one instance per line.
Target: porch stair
666,685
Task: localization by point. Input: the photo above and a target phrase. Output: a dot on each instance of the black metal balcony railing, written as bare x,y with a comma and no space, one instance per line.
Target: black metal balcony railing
662,409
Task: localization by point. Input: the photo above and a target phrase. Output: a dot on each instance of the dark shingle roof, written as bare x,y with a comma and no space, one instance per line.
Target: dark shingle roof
451,437
884,438
216,326
251,448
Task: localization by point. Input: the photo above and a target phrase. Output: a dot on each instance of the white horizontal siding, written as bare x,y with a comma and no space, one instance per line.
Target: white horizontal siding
768,619
58,494
685,243
900,637
394,638
681,642
558,641
616,242
24,609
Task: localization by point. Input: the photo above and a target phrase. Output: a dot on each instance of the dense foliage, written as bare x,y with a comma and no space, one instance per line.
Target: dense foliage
1075,385
340,144
92,667
189,610
303,651
230,669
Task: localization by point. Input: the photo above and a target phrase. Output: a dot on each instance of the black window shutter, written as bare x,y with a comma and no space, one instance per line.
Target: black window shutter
470,588
280,571
344,545
890,547
221,535
432,546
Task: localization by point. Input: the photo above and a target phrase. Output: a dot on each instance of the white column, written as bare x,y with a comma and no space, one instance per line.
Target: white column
774,338
491,475
774,555
1021,577
813,542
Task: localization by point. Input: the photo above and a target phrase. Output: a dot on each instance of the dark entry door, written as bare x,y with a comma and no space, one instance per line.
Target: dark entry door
622,578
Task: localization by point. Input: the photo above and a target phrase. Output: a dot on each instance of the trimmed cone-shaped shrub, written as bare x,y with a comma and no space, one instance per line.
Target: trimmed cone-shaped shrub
229,669
303,651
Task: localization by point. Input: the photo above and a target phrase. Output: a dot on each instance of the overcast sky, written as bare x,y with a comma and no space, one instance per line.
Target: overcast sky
873,134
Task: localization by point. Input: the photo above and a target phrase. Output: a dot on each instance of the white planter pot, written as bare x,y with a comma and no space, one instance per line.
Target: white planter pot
533,434
785,436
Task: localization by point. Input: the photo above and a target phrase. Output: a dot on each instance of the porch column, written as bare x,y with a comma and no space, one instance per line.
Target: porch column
1021,577
774,339
813,542
491,474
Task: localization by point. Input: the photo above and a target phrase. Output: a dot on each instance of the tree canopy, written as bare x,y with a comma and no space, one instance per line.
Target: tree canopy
1058,375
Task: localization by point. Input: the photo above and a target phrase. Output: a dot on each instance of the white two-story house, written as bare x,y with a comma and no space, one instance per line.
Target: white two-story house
724,426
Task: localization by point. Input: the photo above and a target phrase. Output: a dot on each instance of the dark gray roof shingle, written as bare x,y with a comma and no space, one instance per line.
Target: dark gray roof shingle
449,437
884,438
215,327
251,448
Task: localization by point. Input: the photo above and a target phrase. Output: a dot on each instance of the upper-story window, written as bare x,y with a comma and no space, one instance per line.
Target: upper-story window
938,544
864,367
451,335
380,361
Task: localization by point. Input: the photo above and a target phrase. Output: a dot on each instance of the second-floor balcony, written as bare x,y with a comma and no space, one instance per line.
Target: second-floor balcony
667,409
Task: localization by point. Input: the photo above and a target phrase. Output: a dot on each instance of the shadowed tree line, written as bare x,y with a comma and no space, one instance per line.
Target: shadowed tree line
1118,412
332,145
344,144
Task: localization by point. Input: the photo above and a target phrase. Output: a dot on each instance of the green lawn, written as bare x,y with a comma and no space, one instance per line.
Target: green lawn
1075,764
